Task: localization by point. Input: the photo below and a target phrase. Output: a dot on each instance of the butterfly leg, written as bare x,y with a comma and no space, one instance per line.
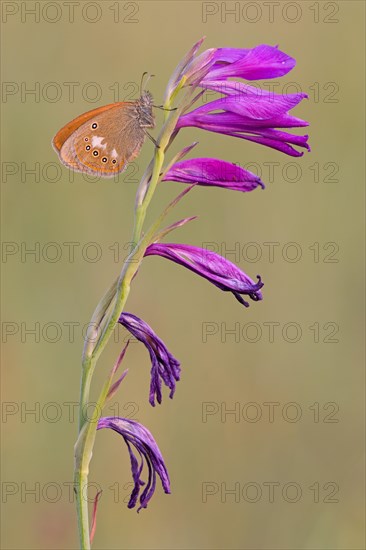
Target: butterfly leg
152,139
163,108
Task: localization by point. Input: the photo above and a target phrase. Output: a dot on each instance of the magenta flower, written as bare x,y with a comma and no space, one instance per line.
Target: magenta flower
252,102
257,63
213,267
245,112
250,113
213,172
137,436
164,367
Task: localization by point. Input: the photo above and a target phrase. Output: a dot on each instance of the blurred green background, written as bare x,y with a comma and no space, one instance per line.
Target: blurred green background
314,440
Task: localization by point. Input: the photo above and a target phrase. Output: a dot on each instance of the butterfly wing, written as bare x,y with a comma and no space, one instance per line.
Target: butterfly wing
69,128
104,143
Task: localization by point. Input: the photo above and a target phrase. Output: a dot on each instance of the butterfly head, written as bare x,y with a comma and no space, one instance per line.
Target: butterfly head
147,98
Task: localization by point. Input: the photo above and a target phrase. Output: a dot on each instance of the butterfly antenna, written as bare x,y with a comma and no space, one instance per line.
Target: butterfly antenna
142,79
147,80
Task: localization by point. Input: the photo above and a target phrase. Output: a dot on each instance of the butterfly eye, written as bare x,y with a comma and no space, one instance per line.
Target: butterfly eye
95,153
94,125
87,147
104,159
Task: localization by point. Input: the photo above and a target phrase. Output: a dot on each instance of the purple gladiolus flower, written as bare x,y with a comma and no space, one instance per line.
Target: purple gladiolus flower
260,62
247,112
213,267
136,435
164,367
251,102
213,172
250,113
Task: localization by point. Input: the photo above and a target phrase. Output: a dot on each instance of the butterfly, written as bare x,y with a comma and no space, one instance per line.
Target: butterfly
104,140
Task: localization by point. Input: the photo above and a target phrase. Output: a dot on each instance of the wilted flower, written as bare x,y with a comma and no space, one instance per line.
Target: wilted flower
213,267
164,367
136,435
213,172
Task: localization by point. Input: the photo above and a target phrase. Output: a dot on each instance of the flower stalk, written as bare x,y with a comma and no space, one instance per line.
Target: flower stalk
115,299
241,116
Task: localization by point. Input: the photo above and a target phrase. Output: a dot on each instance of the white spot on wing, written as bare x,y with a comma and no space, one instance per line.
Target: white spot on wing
114,154
97,142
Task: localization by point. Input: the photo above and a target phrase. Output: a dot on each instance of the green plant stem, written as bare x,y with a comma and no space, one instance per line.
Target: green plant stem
85,443
81,472
81,487
110,307
83,453
115,299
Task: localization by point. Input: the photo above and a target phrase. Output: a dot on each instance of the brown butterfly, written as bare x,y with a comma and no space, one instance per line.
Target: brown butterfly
103,141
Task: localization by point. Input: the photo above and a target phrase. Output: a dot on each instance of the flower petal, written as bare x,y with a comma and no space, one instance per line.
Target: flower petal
213,267
164,366
263,61
250,102
263,132
213,172
139,437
